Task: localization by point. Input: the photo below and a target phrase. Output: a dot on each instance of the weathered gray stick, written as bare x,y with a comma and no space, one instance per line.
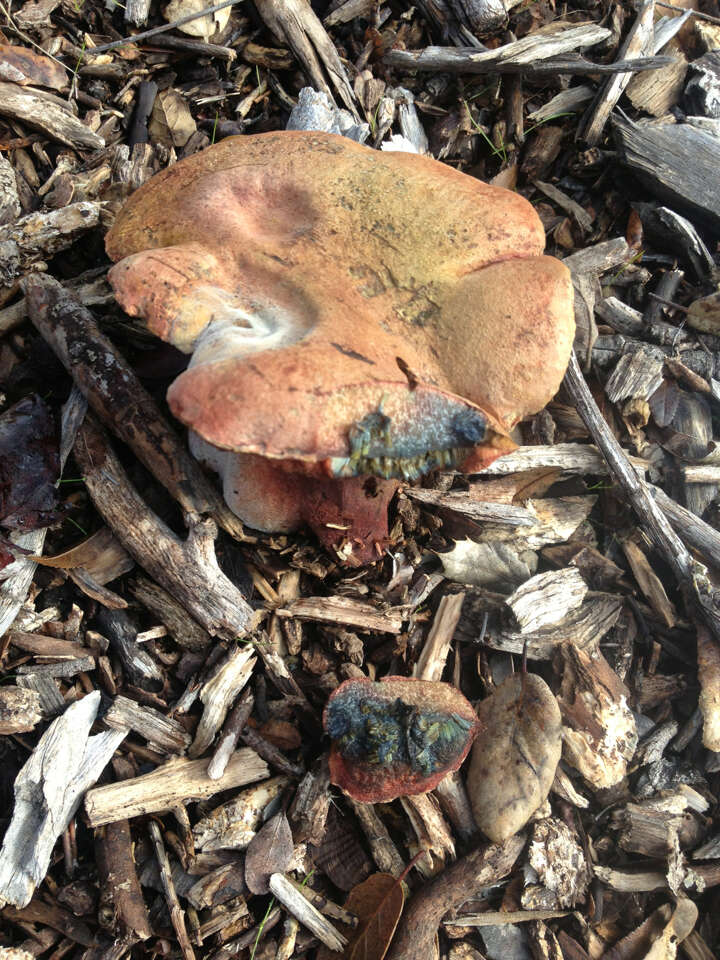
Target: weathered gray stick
48,790
187,569
691,575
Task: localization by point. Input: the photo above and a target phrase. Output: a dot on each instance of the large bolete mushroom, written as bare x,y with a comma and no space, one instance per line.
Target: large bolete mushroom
354,318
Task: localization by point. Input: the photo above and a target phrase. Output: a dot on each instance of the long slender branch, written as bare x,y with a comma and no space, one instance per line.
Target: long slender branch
187,569
691,575
163,28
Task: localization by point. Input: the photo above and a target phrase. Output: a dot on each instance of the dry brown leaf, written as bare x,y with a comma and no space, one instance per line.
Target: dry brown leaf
535,483
506,556
515,756
23,66
281,734
664,403
29,466
378,903
687,377
340,854
171,122
506,178
704,314
204,27
515,488
491,565
101,556
270,851
33,14
634,230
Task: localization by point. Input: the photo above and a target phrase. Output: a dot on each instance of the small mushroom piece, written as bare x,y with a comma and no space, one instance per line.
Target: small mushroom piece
350,313
396,738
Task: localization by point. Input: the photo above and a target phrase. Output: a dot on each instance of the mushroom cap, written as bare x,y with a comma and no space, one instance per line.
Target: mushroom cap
398,737
400,307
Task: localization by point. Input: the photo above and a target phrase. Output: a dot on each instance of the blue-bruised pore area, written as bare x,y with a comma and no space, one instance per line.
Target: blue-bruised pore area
387,733
439,432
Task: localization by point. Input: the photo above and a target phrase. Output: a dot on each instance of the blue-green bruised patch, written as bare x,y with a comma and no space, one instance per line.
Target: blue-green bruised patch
441,435
385,734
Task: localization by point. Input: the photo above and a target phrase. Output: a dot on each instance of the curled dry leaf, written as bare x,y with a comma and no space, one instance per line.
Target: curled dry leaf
658,937
270,851
378,903
171,122
503,557
396,738
204,27
100,555
704,314
515,755
492,565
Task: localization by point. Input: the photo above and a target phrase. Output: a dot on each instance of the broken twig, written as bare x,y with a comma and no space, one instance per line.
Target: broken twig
117,396
188,569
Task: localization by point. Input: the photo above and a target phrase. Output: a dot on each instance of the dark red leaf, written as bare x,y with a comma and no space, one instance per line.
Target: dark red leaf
29,466
378,903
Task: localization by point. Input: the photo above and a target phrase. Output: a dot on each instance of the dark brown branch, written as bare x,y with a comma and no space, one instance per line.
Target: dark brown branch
164,27
270,753
422,916
120,400
470,60
119,877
